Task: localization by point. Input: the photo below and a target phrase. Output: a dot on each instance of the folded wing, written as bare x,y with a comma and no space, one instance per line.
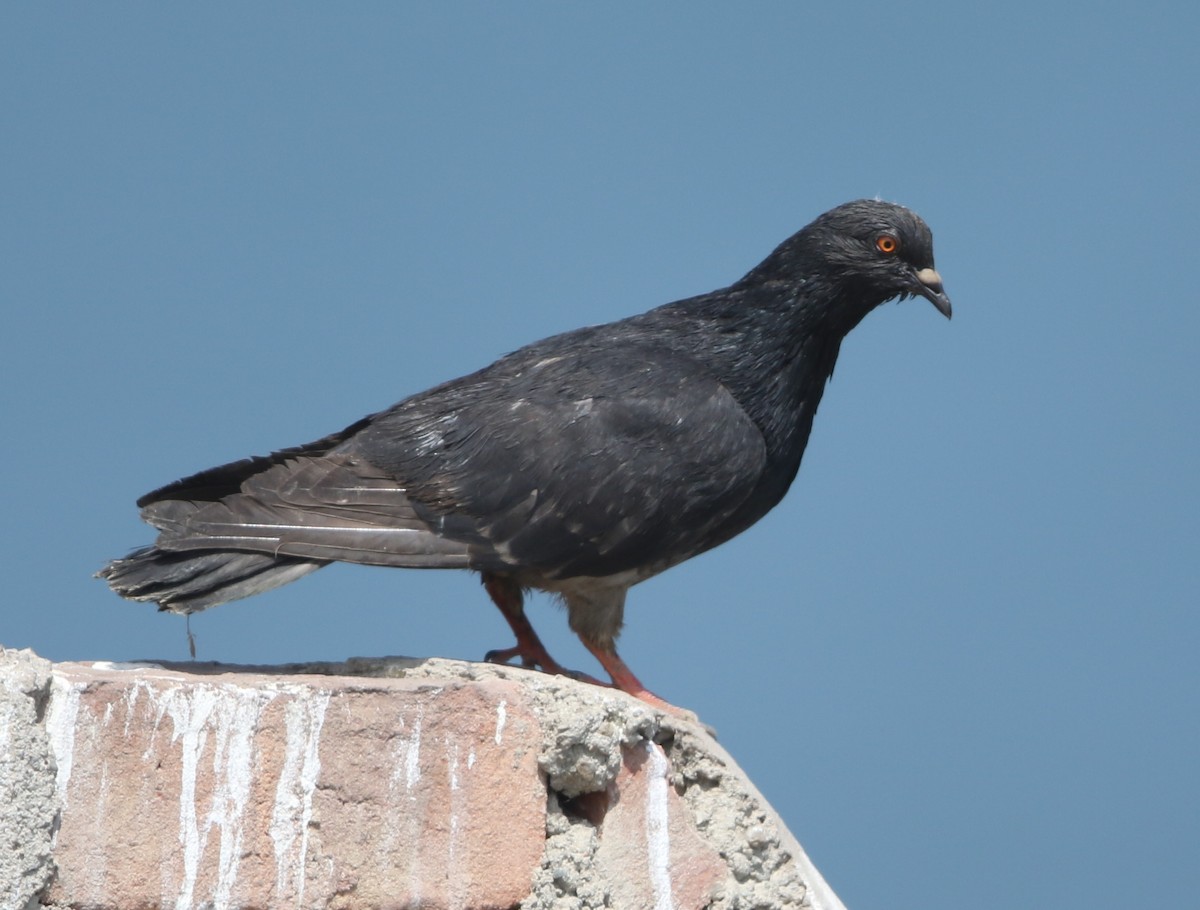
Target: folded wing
324,507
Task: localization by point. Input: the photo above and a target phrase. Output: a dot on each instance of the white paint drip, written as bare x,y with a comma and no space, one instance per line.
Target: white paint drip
453,766
189,717
457,875
658,837
406,802
501,717
304,715
412,755
60,724
406,761
101,830
216,723
234,755
230,715
130,700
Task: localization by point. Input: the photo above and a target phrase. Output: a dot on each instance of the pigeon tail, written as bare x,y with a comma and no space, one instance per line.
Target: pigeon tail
186,582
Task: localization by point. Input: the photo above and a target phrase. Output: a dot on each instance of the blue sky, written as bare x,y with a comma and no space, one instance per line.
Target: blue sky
960,658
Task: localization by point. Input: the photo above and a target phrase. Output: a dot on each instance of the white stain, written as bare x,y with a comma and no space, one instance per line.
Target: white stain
189,714
458,876
130,700
304,715
229,714
214,727
501,717
60,724
100,833
234,755
406,762
404,814
658,838
412,756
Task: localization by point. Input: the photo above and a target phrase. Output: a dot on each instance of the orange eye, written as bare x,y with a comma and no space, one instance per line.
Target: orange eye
886,243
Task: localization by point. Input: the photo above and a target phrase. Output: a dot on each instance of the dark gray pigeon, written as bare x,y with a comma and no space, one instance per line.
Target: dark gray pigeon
579,465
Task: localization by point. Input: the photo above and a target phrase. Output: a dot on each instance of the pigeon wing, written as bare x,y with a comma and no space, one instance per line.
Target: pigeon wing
575,463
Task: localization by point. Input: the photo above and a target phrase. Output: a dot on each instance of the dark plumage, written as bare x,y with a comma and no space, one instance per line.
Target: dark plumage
580,465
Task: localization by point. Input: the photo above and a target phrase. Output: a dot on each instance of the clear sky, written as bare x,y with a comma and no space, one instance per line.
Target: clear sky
960,658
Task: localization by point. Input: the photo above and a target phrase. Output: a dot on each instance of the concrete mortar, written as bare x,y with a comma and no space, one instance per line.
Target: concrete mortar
28,804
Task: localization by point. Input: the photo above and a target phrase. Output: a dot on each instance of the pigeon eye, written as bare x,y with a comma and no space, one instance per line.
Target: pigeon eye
886,243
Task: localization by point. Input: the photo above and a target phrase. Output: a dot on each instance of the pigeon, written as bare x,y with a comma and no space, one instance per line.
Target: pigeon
578,465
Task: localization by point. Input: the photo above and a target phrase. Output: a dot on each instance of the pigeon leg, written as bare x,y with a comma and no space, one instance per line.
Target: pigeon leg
506,594
623,678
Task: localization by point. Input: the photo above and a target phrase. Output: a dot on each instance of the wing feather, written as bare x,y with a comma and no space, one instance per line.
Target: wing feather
589,464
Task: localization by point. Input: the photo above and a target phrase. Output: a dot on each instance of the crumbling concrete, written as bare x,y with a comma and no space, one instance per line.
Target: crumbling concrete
28,803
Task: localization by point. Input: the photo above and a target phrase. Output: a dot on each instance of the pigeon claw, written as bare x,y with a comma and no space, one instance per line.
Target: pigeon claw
623,679
504,655
506,595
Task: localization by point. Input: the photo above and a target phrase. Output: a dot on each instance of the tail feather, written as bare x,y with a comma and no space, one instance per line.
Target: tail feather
246,527
186,582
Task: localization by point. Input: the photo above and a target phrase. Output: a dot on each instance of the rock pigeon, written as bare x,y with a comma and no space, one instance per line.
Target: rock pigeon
579,465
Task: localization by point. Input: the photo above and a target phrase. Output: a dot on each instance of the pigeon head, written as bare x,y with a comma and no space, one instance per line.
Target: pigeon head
861,254
881,248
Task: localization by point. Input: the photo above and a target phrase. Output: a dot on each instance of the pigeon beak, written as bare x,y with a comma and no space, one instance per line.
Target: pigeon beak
929,286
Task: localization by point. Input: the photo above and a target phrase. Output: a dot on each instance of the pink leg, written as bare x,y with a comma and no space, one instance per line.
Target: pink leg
506,595
623,678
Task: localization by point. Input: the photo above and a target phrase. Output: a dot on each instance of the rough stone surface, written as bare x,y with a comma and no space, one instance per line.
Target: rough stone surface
375,783
27,798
